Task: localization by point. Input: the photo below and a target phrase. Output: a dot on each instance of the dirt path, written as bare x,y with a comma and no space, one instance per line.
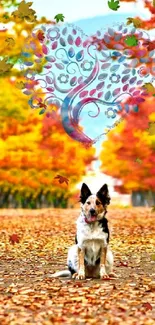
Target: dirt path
28,294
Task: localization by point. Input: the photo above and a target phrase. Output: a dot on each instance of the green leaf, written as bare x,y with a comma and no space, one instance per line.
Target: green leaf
6,16
131,40
59,17
114,5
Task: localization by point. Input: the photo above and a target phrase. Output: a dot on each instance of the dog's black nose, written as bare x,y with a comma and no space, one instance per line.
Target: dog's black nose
92,211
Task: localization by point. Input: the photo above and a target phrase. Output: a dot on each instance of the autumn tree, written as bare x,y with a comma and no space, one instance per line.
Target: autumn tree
128,154
33,149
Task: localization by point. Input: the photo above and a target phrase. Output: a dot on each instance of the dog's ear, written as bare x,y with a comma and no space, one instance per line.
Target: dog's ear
103,195
85,193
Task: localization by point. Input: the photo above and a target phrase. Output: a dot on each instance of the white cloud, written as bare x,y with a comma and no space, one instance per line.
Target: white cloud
80,9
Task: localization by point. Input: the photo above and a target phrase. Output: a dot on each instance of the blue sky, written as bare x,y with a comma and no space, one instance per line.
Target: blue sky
81,9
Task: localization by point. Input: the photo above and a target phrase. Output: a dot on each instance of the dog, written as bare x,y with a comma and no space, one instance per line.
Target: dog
90,256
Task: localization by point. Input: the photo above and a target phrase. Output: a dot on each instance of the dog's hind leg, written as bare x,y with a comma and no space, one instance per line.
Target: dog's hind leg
72,263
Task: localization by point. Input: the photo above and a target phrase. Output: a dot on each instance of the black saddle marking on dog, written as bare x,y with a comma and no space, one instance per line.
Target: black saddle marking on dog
104,224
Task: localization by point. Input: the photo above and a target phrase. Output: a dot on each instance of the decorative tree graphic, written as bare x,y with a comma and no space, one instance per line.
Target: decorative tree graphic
76,74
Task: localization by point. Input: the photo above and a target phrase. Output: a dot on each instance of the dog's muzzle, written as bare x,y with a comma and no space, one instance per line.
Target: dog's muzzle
92,216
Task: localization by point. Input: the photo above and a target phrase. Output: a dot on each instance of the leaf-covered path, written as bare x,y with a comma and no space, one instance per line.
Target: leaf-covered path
34,245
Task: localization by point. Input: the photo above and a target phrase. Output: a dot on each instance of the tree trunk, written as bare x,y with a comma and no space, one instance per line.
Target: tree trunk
138,199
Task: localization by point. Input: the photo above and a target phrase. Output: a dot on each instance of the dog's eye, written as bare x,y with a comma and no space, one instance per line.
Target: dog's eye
88,202
98,203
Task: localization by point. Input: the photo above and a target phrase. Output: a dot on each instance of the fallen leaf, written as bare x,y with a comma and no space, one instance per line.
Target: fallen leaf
14,238
147,305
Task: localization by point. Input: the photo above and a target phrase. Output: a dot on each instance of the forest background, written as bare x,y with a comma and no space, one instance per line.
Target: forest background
34,148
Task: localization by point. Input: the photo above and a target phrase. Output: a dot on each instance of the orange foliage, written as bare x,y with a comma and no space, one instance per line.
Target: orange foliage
34,149
149,23
127,142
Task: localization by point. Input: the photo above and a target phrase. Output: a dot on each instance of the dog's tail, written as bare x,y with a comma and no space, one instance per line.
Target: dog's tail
64,273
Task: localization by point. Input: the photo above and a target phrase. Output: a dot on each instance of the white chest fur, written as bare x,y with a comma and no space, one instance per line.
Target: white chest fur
92,239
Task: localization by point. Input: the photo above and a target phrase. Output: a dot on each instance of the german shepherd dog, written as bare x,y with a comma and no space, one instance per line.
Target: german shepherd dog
91,257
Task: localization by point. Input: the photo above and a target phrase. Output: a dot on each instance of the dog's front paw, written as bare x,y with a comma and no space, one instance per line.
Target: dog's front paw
103,274
80,275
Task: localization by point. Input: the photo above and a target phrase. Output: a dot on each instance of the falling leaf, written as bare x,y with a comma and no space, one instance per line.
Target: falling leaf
113,5
25,12
6,18
20,85
59,17
62,179
4,66
149,87
135,21
10,41
131,40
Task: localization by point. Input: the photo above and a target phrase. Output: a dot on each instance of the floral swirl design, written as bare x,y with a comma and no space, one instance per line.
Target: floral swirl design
76,74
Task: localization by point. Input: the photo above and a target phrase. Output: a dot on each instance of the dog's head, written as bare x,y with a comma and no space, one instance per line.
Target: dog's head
94,206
